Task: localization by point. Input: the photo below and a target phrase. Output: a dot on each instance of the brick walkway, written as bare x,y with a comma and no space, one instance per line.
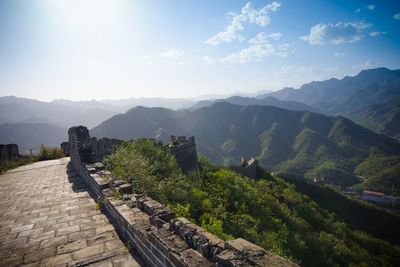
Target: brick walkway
47,218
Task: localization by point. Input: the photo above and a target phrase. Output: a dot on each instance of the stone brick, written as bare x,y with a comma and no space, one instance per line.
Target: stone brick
72,246
100,238
39,255
21,228
68,230
104,228
113,245
193,258
81,234
30,232
57,260
244,247
11,261
88,252
53,242
39,237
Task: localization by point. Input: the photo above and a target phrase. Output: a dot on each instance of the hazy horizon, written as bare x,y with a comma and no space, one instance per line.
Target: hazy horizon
80,50
194,98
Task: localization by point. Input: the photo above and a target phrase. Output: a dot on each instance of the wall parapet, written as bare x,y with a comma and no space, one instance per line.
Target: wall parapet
153,230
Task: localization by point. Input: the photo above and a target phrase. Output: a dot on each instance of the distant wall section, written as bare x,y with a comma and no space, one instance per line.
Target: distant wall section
9,152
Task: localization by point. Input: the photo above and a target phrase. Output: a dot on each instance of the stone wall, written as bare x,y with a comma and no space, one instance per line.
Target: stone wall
65,148
247,168
152,230
185,153
91,149
9,152
103,147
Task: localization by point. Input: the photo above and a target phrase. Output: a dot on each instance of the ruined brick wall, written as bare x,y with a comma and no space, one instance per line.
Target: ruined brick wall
79,144
185,154
247,168
9,152
152,229
89,148
103,147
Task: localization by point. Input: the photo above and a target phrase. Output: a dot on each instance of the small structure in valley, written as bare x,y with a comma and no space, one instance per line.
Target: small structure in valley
378,197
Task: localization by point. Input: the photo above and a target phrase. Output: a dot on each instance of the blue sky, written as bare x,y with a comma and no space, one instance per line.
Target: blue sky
85,49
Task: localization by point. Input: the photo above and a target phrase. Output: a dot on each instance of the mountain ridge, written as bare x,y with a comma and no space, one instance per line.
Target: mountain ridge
299,142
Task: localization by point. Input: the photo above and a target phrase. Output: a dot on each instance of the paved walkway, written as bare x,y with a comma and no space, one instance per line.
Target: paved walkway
47,218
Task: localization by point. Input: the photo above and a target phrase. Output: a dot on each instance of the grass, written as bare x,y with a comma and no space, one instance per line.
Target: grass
12,164
45,153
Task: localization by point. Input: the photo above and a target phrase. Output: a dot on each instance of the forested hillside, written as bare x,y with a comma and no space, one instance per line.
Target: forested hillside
267,211
303,143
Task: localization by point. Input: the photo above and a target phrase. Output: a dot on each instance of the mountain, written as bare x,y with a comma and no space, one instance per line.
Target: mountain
266,101
298,142
174,103
32,135
337,96
62,113
383,118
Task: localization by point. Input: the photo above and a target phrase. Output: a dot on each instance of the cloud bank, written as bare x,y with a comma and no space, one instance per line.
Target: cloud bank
339,33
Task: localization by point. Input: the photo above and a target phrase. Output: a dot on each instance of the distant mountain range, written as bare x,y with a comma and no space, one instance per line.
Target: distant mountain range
383,117
32,135
61,113
299,142
361,94
265,101
290,137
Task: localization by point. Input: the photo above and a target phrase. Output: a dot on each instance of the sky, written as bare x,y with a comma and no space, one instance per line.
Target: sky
114,49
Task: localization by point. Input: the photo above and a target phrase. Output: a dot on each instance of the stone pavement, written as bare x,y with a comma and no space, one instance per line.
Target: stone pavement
47,218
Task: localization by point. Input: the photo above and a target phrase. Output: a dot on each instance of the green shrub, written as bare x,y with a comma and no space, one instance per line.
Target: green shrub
48,153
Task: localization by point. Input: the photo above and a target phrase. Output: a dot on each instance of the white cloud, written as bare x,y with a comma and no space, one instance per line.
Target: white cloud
257,53
396,16
262,38
371,7
209,60
374,34
339,33
248,15
358,10
172,54
339,54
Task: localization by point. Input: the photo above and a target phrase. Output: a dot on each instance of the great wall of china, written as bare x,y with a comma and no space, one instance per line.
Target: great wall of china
152,229
56,228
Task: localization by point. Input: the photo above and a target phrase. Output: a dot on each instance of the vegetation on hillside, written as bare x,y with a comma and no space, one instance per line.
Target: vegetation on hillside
383,117
267,211
45,153
303,143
